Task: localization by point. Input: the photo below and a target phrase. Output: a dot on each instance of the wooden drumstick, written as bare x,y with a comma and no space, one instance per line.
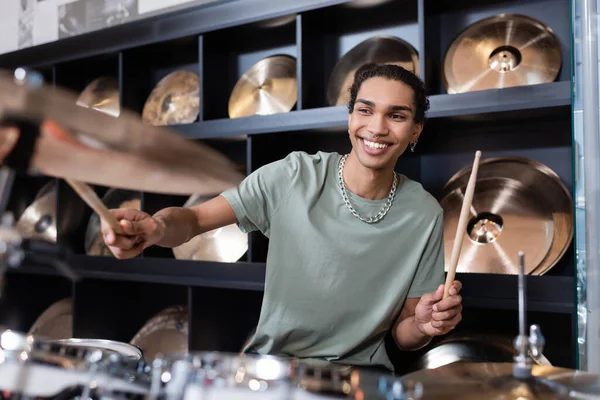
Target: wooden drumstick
462,225
88,195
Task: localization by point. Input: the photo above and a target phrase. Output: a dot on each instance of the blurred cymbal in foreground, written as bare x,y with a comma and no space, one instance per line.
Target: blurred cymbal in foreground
118,152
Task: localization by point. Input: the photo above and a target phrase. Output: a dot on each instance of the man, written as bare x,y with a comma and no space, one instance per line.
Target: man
355,249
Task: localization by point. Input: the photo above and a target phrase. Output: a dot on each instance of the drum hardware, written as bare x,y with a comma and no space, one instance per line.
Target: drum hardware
32,366
502,51
515,196
517,380
174,100
268,87
126,153
378,50
226,244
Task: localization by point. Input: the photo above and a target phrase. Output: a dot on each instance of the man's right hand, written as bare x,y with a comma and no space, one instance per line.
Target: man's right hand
141,231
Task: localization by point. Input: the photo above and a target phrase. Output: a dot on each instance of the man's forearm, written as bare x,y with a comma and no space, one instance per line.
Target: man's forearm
178,225
408,336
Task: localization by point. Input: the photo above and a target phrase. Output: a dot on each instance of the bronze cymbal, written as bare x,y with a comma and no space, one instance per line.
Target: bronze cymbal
495,381
102,95
226,244
174,100
165,333
268,87
56,322
90,146
518,205
39,220
378,50
502,51
114,198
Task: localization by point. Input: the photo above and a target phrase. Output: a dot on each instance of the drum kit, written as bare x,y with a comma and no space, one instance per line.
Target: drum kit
32,366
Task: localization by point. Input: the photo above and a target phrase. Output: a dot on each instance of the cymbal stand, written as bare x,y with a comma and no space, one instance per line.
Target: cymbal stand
526,346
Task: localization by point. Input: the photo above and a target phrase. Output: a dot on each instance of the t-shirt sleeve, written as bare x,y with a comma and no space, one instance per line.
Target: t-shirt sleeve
260,194
430,272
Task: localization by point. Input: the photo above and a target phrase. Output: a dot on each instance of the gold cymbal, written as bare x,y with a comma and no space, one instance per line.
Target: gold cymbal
495,381
114,198
93,147
501,51
268,87
226,244
56,322
102,95
165,333
39,220
518,205
378,50
174,100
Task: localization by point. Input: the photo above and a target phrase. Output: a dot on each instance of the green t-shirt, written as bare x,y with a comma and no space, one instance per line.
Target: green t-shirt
335,284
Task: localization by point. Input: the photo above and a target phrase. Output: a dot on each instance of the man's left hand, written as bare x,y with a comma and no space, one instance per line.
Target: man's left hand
436,317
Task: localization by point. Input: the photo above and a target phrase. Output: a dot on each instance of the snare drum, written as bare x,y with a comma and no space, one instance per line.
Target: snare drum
31,366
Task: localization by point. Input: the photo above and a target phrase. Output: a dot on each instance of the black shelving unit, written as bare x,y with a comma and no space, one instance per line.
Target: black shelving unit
220,43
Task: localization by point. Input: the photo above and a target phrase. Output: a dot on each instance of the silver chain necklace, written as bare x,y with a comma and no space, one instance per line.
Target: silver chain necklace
384,210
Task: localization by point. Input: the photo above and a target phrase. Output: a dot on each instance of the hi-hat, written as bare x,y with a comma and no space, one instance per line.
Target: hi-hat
114,198
226,244
495,381
378,50
174,100
518,205
268,87
93,147
502,51
102,95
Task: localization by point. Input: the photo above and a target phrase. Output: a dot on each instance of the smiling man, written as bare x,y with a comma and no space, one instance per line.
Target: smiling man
355,250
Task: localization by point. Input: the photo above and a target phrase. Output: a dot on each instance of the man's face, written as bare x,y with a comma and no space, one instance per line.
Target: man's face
382,123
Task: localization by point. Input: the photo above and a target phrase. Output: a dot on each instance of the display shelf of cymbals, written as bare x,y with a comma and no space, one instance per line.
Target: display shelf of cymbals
257,83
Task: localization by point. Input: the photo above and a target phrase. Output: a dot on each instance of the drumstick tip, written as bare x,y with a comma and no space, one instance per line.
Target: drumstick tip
478,154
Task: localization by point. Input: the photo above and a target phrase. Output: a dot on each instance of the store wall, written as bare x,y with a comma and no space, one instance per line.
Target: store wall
26,23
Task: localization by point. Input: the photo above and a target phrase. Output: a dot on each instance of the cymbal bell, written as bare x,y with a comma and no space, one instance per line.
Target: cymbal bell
93,147
378,50
518,205
102,94
174,100
40,219
268,87
502,51
226,244
495,381
114,198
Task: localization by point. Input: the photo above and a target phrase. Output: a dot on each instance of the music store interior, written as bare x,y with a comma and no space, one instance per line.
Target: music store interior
169,109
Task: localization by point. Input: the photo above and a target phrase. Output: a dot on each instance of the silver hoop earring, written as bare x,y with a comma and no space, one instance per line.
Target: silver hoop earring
413,145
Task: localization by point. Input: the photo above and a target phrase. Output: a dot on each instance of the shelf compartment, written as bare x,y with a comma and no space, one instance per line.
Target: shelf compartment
444,22
25,297
77,74
231,52
223,319
142,68
329,33
117,310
